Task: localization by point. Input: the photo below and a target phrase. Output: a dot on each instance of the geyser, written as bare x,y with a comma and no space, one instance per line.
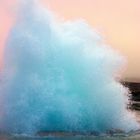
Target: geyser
60,76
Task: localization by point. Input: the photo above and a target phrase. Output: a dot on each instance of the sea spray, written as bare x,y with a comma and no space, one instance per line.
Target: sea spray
60,76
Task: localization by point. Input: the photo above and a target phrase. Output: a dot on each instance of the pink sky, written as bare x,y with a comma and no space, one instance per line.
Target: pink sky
5,23
117,20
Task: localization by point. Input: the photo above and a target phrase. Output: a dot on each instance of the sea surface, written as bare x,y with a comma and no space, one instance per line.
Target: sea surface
106,137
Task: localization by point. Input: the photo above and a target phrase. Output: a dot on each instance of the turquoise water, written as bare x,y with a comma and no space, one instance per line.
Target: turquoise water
60,76
74,138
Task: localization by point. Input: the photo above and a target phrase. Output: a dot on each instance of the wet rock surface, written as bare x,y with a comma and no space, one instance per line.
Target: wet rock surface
134,88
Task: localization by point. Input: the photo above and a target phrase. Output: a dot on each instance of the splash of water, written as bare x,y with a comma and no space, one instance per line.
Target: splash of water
60,76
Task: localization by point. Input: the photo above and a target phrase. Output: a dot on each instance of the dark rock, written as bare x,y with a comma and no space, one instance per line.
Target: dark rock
113,132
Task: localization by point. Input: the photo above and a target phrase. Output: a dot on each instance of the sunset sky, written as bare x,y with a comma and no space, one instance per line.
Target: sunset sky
118,21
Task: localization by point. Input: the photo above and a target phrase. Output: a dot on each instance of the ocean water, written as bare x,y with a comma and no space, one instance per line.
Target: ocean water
78,137
60,76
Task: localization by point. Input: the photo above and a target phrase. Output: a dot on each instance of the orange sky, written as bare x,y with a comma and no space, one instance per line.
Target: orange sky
117,20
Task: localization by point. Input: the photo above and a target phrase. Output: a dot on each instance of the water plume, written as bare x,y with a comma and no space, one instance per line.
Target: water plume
60,76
